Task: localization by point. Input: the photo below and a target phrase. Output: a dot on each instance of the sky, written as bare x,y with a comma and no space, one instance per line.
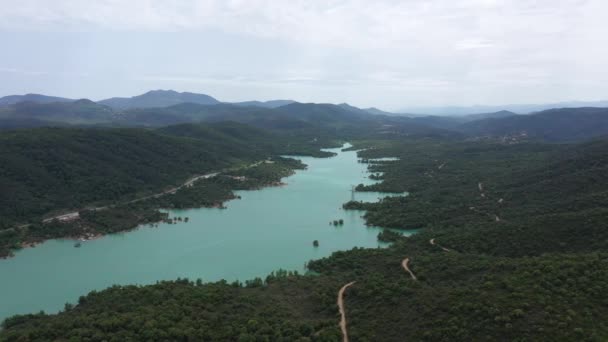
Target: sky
383,53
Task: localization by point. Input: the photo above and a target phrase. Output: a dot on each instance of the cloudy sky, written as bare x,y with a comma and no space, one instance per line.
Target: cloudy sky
390,54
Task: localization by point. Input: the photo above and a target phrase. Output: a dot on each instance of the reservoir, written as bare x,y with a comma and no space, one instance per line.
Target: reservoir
266,230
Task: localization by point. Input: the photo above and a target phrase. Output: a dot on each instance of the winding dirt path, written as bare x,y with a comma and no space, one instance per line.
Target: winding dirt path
342,311
76,215
405,263
188,183
432,242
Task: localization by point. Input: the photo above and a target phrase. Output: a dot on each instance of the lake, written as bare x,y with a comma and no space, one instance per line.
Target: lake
265,230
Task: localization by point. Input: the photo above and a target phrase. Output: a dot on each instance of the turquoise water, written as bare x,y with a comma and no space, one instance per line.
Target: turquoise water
266,230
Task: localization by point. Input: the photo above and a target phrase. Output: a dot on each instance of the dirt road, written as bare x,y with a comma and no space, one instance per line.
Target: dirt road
432,242
188,183
342,311
405,263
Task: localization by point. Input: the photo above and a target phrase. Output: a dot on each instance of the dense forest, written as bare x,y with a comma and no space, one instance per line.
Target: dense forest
163,108
48,171
511,248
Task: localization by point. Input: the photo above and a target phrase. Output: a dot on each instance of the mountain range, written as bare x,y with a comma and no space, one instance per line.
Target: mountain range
166,107
516,108
150,99
38,98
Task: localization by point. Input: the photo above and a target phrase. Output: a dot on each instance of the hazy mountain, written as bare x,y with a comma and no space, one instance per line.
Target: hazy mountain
499,114
294,115
516,108
564,124
453,122
37,98
18,123
314,118
444,122
376,111
76,112
192,112
350,108
324,112
158,98
264,104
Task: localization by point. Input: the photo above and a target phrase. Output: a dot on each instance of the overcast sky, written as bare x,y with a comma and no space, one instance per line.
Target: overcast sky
389,54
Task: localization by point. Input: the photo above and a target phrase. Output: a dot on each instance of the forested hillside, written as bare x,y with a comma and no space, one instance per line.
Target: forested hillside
553,125
163,108
37,98
511,248
158,98
49,169
81,112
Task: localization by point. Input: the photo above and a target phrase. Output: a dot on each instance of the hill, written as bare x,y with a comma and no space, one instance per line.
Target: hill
48,169
516,108
499,114
454,122
75,112
158,98
264,104
537,273
192,112
308,119
555,125
37,98
343,121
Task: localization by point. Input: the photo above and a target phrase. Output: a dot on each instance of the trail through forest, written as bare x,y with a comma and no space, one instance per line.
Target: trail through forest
405,263
432,242
342,311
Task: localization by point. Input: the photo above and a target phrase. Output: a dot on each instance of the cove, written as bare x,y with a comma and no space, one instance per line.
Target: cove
264,231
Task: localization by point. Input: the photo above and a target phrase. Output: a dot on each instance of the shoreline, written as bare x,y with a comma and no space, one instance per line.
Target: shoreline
97,235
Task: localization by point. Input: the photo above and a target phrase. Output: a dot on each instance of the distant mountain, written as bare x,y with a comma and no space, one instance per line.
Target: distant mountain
499,114
556,125
158,98
454,122
291,116
264,104
316,119
324,112
37,98
376,111
351,108
17,123
192,112
443,122
76,112
516,108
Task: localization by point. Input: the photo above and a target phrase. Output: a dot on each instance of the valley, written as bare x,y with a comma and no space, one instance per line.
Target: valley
488,233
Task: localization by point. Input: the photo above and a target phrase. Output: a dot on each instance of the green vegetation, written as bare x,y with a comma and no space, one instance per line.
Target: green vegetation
187,311
339,222
555,125
103,174
209,192
512,248
387,235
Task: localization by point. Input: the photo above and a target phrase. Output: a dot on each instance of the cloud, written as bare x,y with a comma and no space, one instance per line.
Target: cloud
22,72
357,23
425,48
467,44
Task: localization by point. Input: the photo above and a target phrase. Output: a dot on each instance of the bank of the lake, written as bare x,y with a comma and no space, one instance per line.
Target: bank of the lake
265,230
